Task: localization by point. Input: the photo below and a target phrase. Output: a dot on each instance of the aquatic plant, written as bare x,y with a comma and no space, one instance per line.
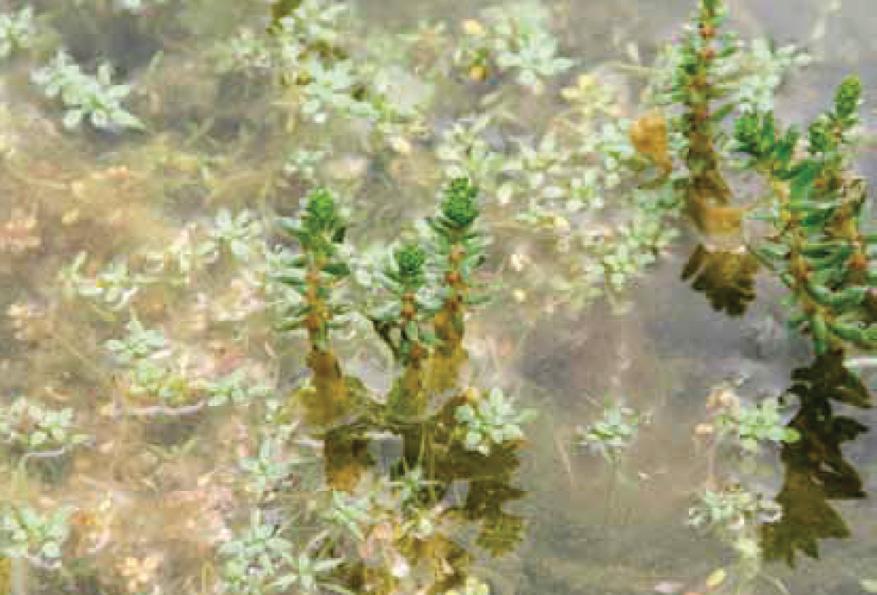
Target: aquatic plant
754,425
734,515
236,388
330,88
266,472
304,164
262,560
37,537
551,189
29,427
161,381
459,246
85,97
819,247
113,287
315,23
256,559
351,514
489,421
696,88
205,415
613,433
730,509
317,275
234,233
472,586
404,321
760,68
139,343
513,39
138,6
17,31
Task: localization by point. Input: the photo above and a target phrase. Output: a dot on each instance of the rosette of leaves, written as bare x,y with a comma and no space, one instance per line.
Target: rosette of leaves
37,537
235,233
86,97
113,287
818,246
459,247
757,424
139,343
267,472
516,39
235,388
611,435
730,510
17,31
262,559
490,421
28,427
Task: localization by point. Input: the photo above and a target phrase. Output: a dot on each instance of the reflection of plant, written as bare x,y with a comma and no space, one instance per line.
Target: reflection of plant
38,538
726,277
490,421
816,470
84,96
612,434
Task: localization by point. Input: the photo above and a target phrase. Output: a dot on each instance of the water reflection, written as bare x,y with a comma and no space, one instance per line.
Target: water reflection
725,277
447,489
454,487
816,470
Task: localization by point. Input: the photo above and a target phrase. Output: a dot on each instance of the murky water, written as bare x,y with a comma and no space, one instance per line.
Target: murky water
156,488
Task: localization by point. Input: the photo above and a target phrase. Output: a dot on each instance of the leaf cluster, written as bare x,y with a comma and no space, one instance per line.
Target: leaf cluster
819,248
91,97
318,271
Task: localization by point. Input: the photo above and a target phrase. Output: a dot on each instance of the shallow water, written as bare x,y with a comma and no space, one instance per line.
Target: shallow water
169,486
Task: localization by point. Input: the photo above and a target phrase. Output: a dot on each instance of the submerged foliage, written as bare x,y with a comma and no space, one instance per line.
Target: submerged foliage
298,397
85,97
